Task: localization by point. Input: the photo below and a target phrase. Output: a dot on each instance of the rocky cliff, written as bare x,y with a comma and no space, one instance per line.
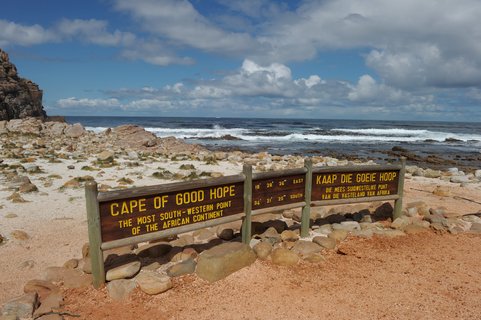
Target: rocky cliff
19,98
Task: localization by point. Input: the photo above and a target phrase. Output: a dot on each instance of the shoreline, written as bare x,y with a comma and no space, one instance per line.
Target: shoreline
50,228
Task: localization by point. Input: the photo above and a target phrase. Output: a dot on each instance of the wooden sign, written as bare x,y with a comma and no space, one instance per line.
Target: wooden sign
354,184
274,192
162,211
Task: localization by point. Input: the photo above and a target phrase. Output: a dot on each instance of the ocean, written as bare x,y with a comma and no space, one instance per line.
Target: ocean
454,142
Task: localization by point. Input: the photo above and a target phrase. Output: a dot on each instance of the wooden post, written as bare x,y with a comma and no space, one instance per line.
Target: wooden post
306,209
398,204
95,237
247,223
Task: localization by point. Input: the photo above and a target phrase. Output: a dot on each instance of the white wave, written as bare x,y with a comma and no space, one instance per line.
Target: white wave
396,134
96,129
382,132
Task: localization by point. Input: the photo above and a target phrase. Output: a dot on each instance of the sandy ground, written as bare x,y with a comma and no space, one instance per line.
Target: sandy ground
416,277
424,276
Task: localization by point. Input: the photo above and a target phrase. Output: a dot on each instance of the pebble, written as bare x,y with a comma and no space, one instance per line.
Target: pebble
20,235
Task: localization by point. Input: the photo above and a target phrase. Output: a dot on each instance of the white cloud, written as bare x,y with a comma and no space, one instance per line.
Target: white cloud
93,31
14,33
180,22
367,89
73,102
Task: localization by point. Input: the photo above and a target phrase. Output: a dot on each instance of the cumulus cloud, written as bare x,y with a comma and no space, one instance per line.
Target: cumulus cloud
181,23
73,103
264,90
14,33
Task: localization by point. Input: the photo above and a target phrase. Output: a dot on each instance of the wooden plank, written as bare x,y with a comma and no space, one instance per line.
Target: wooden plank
137,215
167,188
169,232
306,210
247,223
95,237
278,174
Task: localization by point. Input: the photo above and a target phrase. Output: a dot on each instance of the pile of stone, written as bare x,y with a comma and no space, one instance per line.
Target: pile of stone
214,253
29,137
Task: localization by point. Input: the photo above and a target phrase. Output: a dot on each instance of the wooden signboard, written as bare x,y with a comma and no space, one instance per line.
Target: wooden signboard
118,218
277,191
135,216
341,185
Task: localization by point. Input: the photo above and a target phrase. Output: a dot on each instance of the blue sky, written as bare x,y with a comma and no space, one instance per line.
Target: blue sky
372,59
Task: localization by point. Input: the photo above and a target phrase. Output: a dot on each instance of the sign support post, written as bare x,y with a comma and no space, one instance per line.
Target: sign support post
247,223
95,237
398,204
306,209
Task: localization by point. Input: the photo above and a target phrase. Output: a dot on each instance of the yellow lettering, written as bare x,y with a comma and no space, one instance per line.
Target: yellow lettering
160,201
114,209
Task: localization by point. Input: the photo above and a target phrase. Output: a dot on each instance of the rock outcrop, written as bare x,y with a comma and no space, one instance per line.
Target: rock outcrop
19,97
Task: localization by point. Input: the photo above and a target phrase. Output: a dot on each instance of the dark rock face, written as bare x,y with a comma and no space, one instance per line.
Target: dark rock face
19,98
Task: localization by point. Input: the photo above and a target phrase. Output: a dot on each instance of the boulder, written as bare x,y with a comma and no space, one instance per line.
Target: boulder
74,131
127,270
120,289
220,261
325,242
186,266
21,307
262,250
152,282
284,257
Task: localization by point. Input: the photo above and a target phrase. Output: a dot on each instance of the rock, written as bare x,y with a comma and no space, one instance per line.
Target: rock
306,248
125,271
477,173
186,266
400,223
41,287
204,234
220,261
441,192
338,235
152,282
71,264
187,253
155,250
225,234
22,307
27,188
50,303
19,97
289,235
20,235
459,179
472,218
458,225
347,225
430,173
324,229
120,289
262,250
476,227
75,131
106,156
284,257
16,198
71,278
325,242
271,236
